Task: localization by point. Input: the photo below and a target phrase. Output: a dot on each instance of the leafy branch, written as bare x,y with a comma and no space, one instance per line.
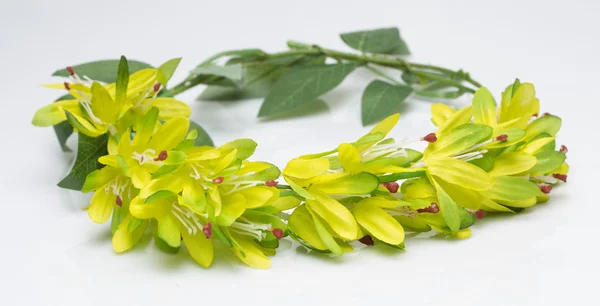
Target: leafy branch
300,75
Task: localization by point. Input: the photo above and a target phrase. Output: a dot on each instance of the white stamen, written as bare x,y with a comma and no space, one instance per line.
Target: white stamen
146,157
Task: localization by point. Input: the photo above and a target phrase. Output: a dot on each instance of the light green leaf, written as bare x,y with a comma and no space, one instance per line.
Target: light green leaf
484,107
510,188
122,81
548,124
547,161
245,147
384,41
89,149
104,71
166,70
449,209
381,99
302,85
63,130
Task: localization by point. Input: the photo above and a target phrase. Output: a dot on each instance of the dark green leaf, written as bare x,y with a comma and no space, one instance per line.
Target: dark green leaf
302,85
381,99
89,149
63,130
231,72
258,79
104,71
203,138
384,41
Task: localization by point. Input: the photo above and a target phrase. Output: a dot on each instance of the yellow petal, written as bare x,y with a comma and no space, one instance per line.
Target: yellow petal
484,107
173,183
170,134
522,105
324,234
361,183
460,173
232,208
225,161
214,200
123,239
84,126
440,112
520,203
171,108
349,158
377,222
285,203
99,178
199,247
335,214
512,163
462,116
259,196
109,160
101,205
462,196
533,146
250,253
301,223
489,205
139,209
141,80
386,125
306,168
103,105
53,114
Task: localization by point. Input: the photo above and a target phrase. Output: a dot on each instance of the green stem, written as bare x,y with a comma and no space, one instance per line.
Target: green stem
302,49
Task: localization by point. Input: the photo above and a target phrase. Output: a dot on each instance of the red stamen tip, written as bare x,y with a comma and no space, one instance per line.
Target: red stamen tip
271,183
161,156
218,180
277,232
71,70
480,214
119,201
67,86
156,87
502,137
207,230
564,149
391,186
562,177
367,240
545,114
535,115
431,137
433,208
546,188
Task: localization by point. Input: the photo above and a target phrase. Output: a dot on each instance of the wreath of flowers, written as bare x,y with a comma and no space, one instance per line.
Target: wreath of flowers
158,172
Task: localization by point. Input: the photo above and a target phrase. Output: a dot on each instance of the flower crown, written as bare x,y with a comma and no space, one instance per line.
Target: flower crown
156,173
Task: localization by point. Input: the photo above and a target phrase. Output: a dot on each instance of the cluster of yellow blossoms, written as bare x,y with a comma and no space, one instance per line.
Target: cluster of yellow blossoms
156,181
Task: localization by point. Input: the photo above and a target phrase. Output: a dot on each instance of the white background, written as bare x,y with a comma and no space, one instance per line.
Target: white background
51,254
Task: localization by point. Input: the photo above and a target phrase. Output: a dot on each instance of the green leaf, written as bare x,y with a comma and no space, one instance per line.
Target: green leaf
546,162
63,130
303,85
245,147
381,99
259,78
104,71
122,81
449,209
166,70
232,72
203,138
384,41
89,149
